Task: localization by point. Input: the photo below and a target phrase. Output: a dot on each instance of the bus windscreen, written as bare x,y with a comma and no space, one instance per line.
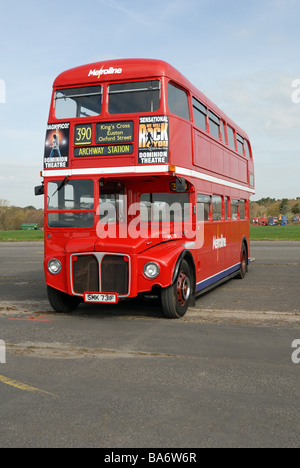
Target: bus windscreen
140,96
78,102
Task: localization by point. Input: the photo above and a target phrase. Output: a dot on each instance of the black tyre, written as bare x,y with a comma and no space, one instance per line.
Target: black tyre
244,262
176,298
62,302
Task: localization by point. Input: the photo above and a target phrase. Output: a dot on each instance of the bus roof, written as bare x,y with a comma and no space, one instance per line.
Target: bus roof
121,69
130,69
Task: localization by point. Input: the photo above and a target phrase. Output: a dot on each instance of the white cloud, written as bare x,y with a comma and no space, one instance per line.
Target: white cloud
261,103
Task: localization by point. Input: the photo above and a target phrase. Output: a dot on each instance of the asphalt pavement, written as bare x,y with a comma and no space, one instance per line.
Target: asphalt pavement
124,376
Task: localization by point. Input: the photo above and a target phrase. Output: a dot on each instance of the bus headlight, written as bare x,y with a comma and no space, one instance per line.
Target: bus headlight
54,266
151,270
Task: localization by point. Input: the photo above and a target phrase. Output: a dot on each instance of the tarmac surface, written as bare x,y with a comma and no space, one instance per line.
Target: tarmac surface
124,376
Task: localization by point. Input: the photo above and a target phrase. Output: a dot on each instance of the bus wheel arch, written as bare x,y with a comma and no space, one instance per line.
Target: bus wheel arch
177,298
244,259
62,302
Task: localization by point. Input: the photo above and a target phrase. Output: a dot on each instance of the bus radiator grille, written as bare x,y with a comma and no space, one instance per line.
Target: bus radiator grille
114,274
85,274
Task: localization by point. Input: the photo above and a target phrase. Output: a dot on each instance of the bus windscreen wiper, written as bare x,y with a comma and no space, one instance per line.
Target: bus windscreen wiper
63,183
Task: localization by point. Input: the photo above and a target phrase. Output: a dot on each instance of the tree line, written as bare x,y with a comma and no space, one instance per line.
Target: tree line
273,207
11,217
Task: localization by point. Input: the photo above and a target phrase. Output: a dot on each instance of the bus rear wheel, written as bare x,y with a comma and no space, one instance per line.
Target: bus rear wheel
176,298
244,262
62,302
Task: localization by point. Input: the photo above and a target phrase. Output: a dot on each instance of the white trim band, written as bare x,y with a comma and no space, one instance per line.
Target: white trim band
144,170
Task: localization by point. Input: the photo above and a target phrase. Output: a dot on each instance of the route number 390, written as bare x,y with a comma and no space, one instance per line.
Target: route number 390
83,135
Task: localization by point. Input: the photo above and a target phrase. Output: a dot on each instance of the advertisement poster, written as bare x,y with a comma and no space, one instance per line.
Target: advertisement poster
57,146
154,140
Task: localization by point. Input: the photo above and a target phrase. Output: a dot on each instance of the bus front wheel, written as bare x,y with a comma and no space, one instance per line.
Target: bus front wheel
176,298
62,302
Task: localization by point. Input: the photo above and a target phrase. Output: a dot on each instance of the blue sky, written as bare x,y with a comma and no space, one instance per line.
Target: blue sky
244,55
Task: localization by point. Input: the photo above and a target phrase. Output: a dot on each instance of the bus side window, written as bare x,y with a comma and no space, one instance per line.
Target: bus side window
226,208
200,113
240,144
217,207
247,149
203,206
234,209
178,102
214,125
231,139
223,132
242,209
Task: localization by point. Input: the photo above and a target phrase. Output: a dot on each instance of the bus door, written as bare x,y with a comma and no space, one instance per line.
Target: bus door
203,244
219,239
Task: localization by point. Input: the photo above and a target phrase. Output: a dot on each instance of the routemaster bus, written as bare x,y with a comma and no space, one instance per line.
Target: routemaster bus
147,186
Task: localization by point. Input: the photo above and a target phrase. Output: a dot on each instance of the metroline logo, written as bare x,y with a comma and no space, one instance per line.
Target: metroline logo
219,242
105,71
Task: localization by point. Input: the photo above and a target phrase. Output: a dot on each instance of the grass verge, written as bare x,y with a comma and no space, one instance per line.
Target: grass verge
290,232
21,236
284,233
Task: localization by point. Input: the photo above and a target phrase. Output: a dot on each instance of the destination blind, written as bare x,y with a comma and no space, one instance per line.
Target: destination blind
106,133
110,150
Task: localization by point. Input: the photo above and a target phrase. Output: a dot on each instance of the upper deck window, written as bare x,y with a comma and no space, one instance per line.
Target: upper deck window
200,113
240,144
247,149
214,125
139,96
231,138
78,102
178,102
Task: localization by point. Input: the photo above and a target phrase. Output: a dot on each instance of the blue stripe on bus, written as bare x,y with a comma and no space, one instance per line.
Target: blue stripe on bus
213,279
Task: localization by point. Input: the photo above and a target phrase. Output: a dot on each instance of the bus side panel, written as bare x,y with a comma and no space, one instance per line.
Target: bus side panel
217,158
243,170
201,150
180,142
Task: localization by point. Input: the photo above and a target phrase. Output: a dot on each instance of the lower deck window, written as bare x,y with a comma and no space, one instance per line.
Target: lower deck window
203,206
217,207
242,209
234,209
70,220
70,203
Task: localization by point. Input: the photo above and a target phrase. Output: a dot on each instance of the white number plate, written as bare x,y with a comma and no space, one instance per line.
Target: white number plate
98,297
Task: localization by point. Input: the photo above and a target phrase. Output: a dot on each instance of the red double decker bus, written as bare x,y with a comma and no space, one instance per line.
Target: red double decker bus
147,186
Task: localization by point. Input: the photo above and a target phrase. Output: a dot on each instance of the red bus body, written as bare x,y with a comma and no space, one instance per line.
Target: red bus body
173,145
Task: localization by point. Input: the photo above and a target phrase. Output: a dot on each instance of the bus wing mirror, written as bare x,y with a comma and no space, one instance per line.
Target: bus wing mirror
180,185
39,190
